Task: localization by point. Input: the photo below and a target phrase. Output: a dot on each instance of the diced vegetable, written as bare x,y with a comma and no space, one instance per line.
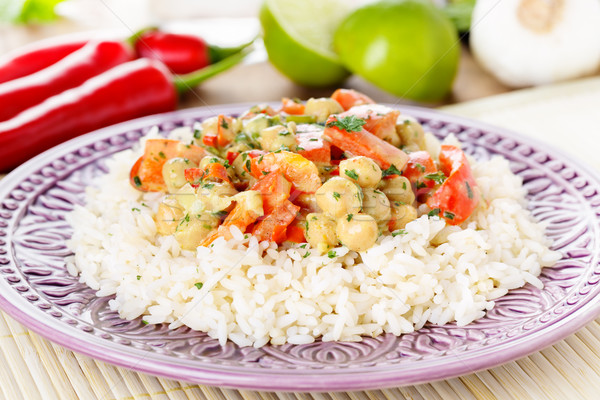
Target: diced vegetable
380,120
275,190
312,145
291,106
458,196
213,172
353,138
349,98
225,133
146,173
295,233
296,169
419,170
274,226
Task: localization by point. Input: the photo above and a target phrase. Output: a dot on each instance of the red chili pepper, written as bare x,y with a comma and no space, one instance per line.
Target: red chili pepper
181,53
76,68
129,90
34,57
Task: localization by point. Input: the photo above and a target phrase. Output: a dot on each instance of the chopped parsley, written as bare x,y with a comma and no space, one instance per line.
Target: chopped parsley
299,148
448,215
224,124
138,277
306,254
199,285
434,213
350,123
469,190
137,181
162,154
135,209
420,167
421,185
145,322
349,217
208,185
392,170
197,133
303,246
260,159
248,165
437,177
220,214
313,139
404,185
399,232
284,133
264,172
336,196
332,254
351,173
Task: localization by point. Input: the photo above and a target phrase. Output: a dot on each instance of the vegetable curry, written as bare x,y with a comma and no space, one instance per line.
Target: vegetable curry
330,171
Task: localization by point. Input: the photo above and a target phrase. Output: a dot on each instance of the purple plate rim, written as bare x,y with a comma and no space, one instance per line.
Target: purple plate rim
317,381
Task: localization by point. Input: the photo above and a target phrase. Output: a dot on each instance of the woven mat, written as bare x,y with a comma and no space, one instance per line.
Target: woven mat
566,115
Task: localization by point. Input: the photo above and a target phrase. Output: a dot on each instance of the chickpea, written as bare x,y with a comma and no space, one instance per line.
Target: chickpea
411,132
168,216
361,170
192,229
402,214
322,108
398,189
358,232
339,196
275,137
376,204
308,201
173,172
320,231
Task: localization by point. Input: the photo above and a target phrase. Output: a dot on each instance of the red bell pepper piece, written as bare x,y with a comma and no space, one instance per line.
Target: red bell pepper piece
295,233
458,196
419,165
361,142
349,98
273,226
231,156
292,107
380,120
92,59
312,145
275,189
36,56
181,53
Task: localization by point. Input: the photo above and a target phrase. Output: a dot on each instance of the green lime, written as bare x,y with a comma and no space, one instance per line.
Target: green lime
298,36
406,47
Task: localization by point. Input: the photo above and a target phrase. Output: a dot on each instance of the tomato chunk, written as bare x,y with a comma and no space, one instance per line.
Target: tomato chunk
146,173
458,196
363,143
213,172
349,98
225,133
274,226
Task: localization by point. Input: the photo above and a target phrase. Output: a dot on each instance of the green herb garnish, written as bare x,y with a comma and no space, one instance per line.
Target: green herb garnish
349,217
350,123
469,190
137,181
437,177
434,213
199,285
392,170
336,196
332,254
351,173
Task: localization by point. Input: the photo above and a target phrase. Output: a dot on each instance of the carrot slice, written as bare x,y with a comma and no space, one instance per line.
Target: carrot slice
292,107
146,173
274,226
361,142
275,190
349,98
458,196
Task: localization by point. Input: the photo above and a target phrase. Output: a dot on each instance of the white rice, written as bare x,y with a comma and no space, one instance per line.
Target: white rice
254,294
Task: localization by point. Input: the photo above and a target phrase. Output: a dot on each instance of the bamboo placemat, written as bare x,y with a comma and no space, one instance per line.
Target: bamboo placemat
566,115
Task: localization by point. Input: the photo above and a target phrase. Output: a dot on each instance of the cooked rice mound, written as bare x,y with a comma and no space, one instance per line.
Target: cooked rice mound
254,293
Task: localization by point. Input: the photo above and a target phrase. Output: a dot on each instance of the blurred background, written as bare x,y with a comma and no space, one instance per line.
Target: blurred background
223,22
